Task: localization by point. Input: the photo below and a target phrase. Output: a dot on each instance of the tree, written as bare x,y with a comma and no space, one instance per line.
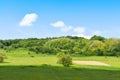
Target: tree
112,47
62,44
79,46
95,48
100,38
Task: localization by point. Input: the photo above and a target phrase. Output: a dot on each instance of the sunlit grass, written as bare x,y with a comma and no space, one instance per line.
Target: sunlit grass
20,65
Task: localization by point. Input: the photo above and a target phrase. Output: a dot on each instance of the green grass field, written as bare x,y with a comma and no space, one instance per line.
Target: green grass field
21,66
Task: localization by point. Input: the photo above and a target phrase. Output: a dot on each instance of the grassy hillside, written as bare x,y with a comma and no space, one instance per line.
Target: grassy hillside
22,66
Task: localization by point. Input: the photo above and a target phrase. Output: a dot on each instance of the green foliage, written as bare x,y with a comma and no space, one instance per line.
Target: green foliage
96,46
100,38
2,56
61,43
60,54
112,47
63,59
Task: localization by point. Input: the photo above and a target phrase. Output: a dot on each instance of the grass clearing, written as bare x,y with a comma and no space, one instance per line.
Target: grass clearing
43,67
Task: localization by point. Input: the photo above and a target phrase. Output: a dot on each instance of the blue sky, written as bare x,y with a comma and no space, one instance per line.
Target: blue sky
53,18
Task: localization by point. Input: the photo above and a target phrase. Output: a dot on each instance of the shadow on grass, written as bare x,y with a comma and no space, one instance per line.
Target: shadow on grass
48,72
4,62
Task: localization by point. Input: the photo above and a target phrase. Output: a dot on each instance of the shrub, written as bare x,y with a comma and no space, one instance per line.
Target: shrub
60,54
1,59
65,60
2,56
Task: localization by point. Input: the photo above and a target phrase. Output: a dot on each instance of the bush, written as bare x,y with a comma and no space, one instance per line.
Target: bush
65,60
2,56
60,54
1,59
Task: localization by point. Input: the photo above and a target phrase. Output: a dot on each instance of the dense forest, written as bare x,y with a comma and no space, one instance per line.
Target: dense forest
96,46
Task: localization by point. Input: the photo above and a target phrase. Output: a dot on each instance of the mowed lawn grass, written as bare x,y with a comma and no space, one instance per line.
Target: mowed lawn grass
44,67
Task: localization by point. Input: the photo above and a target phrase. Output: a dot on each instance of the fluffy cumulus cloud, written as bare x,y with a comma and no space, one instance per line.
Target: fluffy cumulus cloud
62,26
28,19
79,29
97,32
66,28
80,32
58,24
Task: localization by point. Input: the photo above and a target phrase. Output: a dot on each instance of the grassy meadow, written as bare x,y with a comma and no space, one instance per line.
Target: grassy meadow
19,65
60,40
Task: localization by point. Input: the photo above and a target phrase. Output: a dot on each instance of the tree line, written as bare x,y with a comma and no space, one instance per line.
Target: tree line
96,46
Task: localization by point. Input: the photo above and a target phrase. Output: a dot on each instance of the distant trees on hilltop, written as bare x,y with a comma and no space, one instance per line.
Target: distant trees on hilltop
96,46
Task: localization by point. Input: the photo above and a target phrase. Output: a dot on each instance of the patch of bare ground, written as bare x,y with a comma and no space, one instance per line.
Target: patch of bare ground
90,63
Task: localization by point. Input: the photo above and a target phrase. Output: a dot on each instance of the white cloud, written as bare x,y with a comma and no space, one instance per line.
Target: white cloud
66,28
80,32
28,19
82,35
79,29
62,26
97,32
58,24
